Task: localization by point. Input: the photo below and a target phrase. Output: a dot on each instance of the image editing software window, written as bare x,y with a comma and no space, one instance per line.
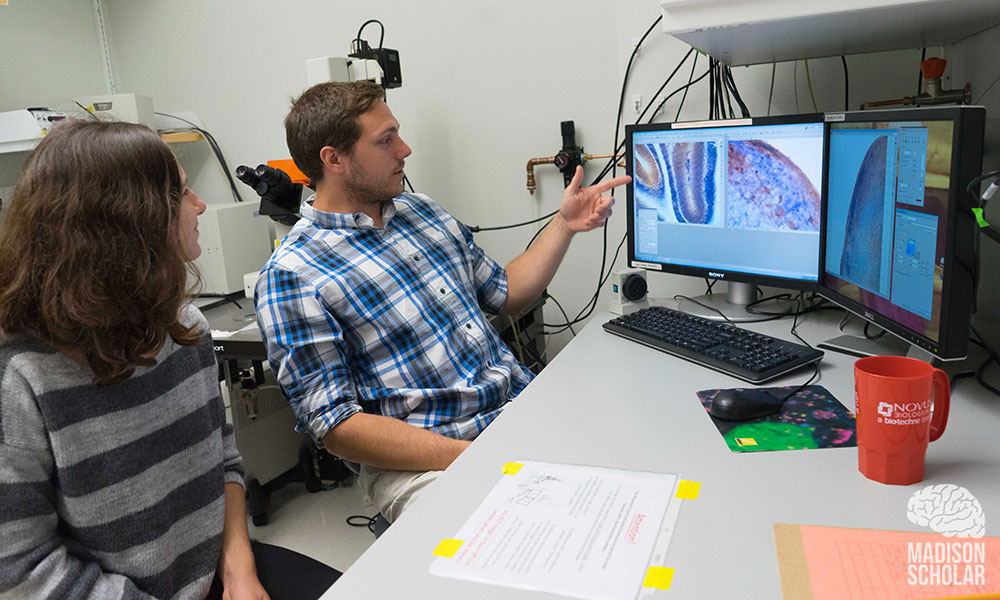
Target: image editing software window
738,199
887,206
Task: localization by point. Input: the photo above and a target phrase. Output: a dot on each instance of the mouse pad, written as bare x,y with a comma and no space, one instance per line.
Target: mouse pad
813,418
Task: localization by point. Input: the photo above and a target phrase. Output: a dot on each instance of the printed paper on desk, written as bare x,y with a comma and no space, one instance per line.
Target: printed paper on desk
585,532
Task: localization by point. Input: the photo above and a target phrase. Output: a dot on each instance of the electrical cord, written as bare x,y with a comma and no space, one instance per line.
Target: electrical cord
222,299
215,149
920,77
770,92
613,160
795,85
809,81
672,94
703,305
477,229
517,338
362,521
869,336
588,308
731,84
381,36
988,88
804,385
771,316
979,179
993,357
694,64
843,322
847,83
795,321
563,311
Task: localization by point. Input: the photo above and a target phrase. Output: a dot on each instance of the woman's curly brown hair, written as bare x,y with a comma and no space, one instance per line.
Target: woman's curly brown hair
90,249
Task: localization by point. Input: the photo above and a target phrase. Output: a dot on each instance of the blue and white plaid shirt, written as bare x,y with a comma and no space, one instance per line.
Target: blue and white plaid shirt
387,321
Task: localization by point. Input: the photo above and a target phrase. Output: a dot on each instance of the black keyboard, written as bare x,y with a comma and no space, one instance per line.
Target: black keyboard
718,345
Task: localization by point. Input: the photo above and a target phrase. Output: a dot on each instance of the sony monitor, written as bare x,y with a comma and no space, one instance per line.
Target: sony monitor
899,231
736,200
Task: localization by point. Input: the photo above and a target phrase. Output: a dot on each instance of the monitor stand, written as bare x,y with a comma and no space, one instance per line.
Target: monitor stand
887,345
890,345
732,304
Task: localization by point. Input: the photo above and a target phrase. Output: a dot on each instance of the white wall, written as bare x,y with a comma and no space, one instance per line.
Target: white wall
49,52
484,89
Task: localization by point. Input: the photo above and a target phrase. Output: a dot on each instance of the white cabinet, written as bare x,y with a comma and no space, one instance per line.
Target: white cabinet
746,32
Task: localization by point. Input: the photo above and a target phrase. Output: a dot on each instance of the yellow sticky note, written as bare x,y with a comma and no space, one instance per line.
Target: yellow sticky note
746,442
688,490
658,577
512,468
448,548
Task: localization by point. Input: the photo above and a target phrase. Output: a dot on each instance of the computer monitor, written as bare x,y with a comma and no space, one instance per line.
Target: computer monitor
899,231
736,200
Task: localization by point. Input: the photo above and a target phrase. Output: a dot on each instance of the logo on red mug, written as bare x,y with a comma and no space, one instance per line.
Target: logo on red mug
904,413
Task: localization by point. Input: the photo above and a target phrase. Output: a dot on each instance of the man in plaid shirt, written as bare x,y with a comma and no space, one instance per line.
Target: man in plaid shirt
372,306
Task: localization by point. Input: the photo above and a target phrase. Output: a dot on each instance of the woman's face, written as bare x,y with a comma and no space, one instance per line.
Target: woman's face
191,207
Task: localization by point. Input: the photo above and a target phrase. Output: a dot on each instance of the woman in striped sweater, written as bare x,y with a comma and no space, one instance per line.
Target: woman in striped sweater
119,477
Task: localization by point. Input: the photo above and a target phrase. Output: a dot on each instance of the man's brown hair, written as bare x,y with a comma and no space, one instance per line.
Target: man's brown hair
91,258
327,115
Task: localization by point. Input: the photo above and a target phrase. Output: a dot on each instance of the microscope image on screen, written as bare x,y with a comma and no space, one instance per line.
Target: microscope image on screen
768,190
862,258
886,214
679,181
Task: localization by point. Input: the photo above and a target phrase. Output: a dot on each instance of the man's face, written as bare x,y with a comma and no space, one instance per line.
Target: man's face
374,166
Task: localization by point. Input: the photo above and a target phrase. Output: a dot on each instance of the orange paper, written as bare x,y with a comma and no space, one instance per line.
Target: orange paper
873,564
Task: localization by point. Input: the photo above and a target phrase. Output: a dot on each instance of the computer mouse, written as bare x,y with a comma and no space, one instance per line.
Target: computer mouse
740,404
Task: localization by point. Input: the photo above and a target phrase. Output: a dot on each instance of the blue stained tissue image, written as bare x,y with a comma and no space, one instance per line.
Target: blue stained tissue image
861,261
691,166
678,181
768,191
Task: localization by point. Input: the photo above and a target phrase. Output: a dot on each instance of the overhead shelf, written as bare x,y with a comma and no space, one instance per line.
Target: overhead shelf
178,137
748,32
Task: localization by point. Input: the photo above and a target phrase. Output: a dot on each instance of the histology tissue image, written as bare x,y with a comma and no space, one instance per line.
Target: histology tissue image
678,181
767,190
860,262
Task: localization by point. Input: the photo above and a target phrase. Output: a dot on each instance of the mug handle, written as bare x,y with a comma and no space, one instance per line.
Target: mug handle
942,402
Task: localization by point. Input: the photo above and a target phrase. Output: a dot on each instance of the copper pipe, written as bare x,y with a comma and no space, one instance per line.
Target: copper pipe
548,160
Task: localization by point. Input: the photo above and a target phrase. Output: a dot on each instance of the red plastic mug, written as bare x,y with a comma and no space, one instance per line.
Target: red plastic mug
901,404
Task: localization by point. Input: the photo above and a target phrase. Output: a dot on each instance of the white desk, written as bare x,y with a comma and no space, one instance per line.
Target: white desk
607,401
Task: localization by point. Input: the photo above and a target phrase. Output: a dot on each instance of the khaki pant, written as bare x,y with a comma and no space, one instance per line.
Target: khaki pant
393,491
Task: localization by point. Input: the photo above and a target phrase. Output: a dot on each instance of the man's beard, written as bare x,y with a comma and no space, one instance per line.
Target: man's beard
364,190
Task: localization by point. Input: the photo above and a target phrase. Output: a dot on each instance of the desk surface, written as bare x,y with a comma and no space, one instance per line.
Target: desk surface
606,401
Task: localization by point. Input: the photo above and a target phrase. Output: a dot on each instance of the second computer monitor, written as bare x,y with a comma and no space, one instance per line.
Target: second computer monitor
737,200
900,231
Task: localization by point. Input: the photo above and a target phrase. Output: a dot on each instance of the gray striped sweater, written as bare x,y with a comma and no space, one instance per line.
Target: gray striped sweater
113,492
